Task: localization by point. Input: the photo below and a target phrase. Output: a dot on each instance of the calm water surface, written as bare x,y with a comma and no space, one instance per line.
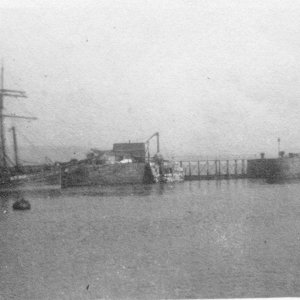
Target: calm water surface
191,240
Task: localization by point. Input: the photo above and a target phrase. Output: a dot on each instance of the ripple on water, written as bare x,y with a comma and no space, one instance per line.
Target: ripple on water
191,240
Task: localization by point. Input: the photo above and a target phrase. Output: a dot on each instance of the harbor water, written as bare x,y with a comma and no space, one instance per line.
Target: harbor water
200,239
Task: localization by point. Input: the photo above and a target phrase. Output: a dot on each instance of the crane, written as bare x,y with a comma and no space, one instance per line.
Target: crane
157,143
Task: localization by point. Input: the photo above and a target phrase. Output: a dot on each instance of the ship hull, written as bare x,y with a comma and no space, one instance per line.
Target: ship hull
44,179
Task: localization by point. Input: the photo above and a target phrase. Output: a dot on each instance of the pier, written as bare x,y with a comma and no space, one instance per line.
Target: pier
214,169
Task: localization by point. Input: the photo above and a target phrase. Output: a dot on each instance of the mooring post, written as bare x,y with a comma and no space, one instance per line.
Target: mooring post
181,164
198,168
190,169
235,167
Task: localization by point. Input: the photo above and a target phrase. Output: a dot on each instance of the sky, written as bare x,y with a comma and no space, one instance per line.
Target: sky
213,77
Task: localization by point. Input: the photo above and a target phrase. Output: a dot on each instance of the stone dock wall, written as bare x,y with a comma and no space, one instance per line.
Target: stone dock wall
104,174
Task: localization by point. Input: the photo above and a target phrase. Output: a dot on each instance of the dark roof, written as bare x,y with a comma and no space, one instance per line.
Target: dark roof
129,147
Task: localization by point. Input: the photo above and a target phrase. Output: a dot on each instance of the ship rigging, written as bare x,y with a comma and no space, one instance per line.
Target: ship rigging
3,155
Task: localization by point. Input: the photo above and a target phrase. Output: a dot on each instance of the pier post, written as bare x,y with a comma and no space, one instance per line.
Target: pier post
198,168
207,168
180,164
216,168
235,167
243,167
190,169
227,168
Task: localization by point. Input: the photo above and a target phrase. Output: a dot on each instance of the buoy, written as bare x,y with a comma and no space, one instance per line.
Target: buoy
21,204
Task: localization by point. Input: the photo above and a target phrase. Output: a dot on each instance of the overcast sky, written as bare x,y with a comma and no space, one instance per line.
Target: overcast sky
212,77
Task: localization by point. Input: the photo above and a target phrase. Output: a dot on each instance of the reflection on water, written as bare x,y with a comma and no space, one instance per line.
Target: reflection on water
235,238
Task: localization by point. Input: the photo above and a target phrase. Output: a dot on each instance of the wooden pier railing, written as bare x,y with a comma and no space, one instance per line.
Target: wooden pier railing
214,169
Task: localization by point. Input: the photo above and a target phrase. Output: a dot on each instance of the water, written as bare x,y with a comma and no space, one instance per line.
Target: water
189,240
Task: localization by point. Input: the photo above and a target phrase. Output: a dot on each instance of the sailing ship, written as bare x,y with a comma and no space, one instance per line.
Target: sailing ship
13,174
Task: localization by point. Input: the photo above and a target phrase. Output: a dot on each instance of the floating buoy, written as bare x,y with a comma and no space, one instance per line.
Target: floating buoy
21,204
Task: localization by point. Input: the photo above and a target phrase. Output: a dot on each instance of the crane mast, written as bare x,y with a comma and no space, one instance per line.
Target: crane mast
157,143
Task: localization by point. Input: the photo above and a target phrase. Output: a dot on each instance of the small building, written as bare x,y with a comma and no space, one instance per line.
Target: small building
134,151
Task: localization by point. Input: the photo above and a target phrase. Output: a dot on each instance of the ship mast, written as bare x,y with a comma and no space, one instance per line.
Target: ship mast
7,93
15,147
3,154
